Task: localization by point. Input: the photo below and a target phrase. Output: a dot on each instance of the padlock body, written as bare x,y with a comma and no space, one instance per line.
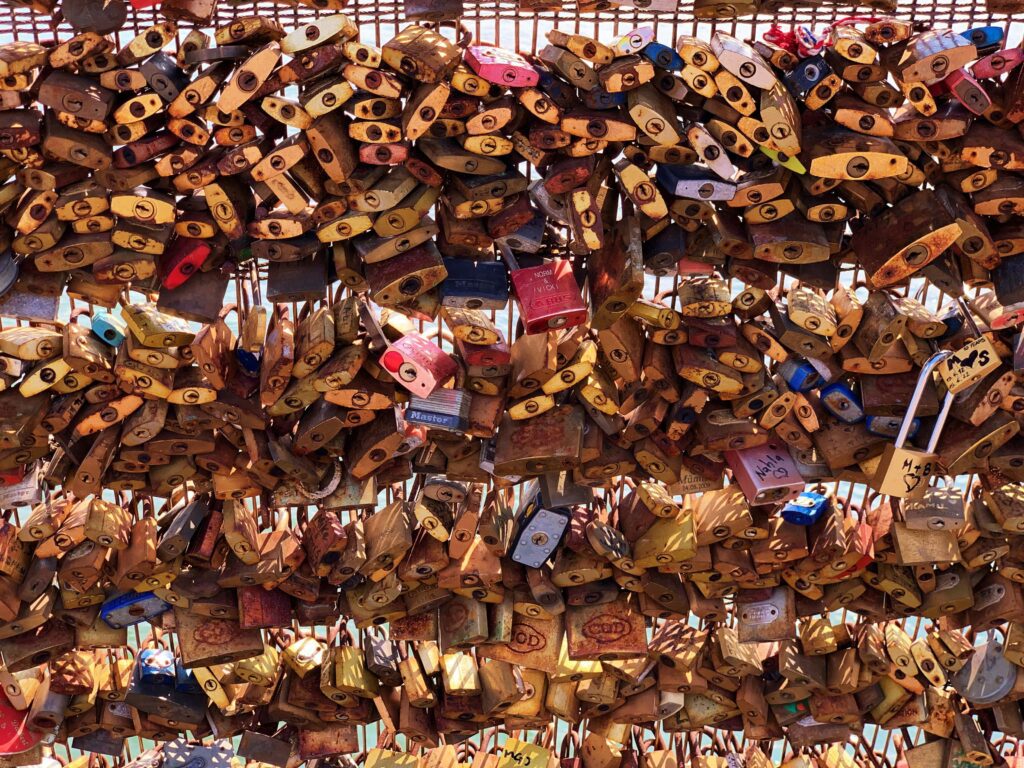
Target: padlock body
548,297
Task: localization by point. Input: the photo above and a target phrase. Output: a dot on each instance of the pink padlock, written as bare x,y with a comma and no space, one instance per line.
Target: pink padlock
998,63
418,365
765,473
500,66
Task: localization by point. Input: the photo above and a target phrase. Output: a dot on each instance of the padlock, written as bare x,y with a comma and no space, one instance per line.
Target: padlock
156,666
539,530
480,285
807,508
939,508
547,296
418,365
799,375
765,473
132,608
903,472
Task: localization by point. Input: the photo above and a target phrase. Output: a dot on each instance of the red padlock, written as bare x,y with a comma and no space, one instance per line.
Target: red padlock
15,736
569,751
968,91
691,267
418,364
183,258
484,355
547,295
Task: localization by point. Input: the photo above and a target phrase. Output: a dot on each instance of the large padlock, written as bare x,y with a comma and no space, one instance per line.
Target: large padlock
548,296
766,473
904,472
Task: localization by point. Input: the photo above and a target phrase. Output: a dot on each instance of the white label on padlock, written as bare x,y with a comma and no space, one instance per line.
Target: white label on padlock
760,613
807,721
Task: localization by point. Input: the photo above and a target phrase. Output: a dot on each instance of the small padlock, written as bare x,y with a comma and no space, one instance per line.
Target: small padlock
501,66
156,666
538,532
765,473
418,364
132,608
109,328
799,375
807,508
445,409
842,402
475,285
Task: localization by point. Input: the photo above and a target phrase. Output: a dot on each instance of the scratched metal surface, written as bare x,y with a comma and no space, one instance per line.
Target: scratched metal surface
501,22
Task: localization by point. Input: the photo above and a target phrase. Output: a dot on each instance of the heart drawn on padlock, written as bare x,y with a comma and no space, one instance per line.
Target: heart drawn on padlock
911,480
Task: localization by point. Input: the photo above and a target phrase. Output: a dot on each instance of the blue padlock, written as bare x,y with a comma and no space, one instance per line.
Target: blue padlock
250,361
664,56
560,92
185,681
806,509
110,329
156,667
446,409
842,402
599,98
889,426
475,284
799,375
694,182
808,73
953,319
132,608
986,39
529,238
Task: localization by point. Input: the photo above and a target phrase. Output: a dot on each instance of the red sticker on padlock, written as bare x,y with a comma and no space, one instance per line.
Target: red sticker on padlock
391,360
12,476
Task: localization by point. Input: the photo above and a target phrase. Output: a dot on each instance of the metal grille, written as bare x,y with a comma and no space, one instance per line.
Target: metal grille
501,22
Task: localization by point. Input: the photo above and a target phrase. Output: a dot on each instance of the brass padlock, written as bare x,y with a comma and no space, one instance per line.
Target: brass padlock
902,472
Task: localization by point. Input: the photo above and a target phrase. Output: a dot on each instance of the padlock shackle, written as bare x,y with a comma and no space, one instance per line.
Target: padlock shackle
940,421
508,256
965,307
923,379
